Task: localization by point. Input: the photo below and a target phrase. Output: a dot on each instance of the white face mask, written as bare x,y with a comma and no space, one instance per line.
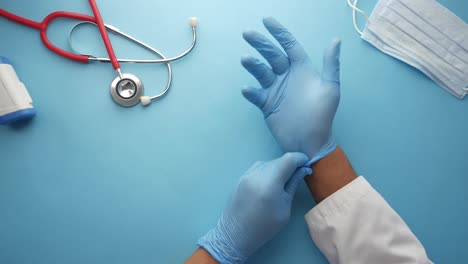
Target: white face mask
424,34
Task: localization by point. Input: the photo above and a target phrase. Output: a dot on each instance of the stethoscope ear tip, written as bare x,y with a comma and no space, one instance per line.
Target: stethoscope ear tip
145,100
193,21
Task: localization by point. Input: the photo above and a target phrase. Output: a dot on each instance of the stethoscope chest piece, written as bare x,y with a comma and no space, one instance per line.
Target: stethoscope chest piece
126,90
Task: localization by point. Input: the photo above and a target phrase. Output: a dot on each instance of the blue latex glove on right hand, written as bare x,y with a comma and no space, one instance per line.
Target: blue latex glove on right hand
258,209
298,103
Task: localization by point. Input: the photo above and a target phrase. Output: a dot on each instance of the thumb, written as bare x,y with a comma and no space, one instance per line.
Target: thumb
288,165
296,179
257,97
331,62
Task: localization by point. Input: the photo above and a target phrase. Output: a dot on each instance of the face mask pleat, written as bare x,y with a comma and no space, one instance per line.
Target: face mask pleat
426,44
407,44
401,28
440,32
440,18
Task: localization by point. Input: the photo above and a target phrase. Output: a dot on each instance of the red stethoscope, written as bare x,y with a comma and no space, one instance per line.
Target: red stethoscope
126,89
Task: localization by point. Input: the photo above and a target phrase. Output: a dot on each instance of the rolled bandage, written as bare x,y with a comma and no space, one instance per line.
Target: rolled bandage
15,101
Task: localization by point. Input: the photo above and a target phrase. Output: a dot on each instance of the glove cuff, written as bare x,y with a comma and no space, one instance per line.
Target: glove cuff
323,152
220,248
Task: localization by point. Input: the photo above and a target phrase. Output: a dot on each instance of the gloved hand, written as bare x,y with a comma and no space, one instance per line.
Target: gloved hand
298,102
258,209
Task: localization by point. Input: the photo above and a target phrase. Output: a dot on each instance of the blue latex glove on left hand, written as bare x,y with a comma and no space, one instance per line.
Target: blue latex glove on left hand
298,102
258,209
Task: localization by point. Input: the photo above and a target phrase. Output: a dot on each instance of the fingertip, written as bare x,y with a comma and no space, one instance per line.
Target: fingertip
249,34
304,158
254,96
299,158
272,22
293,183
336,41
246,90
335,47
247,59
248,94
331,62
268,20
303,172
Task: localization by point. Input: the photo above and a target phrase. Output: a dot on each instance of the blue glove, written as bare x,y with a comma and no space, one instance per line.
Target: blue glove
258,209
298,102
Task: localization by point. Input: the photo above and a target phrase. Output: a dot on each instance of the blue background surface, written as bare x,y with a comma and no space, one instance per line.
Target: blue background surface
90,182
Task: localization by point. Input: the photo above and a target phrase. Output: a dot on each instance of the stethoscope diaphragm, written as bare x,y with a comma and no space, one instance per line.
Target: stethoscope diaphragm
127,90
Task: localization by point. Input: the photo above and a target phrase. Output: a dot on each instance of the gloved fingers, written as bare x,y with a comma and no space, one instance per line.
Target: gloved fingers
264,75
331,62
293,183
258,97
291,46
288,164
275,57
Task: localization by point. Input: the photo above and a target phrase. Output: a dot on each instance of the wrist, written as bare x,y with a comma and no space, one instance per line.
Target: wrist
201,256
221,248
330,174
323,152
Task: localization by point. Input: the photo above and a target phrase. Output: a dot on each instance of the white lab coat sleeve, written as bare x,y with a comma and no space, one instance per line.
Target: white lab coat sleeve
356,225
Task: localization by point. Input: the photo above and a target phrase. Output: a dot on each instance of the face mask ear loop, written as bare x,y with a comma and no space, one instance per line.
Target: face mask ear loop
354,7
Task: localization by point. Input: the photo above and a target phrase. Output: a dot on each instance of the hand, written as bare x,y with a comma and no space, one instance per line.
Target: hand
298,102
258,209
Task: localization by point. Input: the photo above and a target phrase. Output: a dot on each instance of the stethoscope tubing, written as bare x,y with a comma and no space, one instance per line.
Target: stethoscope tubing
141,43
105,36
43,26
